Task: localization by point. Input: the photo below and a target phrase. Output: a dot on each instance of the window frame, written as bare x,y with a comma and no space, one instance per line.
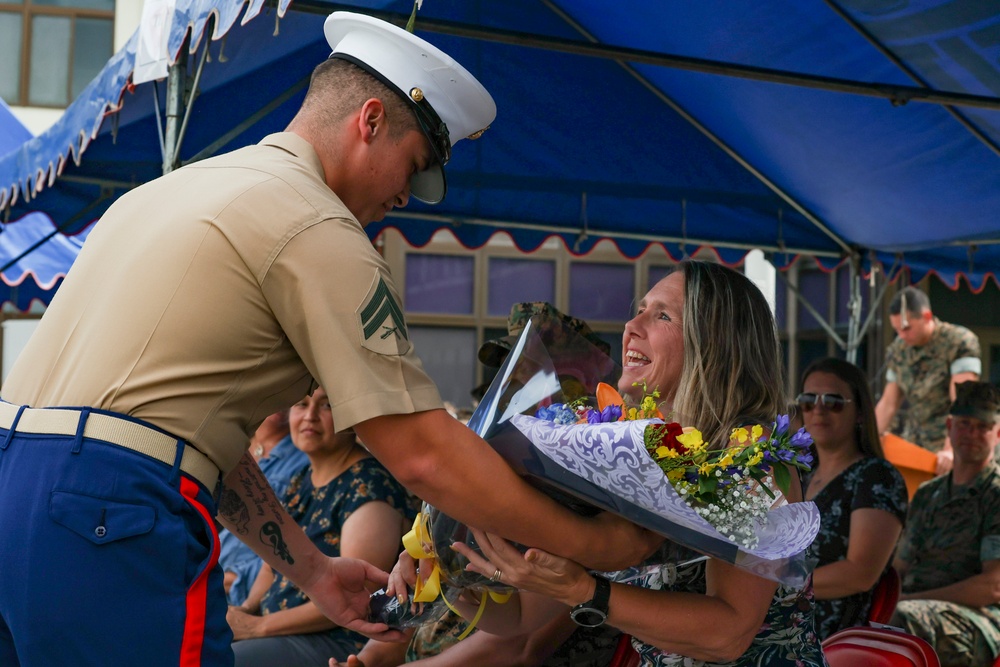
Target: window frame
28,10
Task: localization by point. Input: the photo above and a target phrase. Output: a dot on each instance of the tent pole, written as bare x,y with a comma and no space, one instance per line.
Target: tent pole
854,310
812,311
176,76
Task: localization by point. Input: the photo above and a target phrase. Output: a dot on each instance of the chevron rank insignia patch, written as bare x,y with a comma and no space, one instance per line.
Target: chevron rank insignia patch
383,328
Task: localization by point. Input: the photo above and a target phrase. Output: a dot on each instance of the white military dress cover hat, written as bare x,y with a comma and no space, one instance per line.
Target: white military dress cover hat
449,103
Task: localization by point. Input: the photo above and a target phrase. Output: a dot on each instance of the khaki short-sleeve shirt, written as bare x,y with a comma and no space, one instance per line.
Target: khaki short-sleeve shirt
210,298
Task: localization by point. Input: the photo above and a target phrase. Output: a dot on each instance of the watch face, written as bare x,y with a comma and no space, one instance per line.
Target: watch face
588,617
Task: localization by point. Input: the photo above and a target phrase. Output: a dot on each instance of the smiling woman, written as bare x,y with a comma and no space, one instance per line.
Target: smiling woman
348,505
705,339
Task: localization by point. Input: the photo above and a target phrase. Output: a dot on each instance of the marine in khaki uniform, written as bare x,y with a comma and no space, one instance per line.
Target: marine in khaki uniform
949,556
923,365
203,302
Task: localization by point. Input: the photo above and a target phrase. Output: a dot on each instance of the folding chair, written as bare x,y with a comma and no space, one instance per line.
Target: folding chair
625,655
885,596
878,647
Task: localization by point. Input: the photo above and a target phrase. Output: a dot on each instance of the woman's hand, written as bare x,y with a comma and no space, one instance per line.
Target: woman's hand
536,571
352,661
243,624
403,576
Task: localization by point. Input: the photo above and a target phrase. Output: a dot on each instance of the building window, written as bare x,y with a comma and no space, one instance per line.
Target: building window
518,280
601,291
51,49
439,284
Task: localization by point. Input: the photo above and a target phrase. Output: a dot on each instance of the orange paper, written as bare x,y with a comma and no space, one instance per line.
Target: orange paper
916,464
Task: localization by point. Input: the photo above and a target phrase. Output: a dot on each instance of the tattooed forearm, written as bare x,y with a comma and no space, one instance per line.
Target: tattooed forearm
270,534
234,510
247,498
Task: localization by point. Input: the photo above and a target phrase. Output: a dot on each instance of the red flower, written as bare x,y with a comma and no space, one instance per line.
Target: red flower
669,433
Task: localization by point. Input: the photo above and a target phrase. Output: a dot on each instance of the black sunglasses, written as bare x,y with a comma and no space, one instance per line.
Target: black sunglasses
832,402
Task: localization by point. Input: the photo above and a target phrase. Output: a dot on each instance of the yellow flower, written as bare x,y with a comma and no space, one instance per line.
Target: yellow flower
691,439
756,458
756,432
706,468
663,452
675,475
739,435
727,460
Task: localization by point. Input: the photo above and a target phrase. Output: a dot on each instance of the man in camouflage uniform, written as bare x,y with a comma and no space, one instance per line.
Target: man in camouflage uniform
923,365
949,556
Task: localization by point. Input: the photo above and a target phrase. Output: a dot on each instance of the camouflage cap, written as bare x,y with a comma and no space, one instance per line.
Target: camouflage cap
980,400
493,352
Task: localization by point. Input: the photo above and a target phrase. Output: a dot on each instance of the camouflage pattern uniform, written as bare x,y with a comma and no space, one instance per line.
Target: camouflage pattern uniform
924,376
950,532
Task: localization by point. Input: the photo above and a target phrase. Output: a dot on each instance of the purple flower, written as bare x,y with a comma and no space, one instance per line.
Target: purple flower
805,459
801,439
609,414
781,425
785,455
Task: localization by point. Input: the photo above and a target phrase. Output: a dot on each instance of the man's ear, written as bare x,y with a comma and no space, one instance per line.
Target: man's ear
372,120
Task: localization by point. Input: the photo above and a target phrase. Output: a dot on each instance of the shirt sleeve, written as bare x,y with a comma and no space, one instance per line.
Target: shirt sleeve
881,487
967,355
335,300
373,483
989,547
909,543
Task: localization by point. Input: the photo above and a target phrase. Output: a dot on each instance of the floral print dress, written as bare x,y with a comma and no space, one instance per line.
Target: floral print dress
786,639
867,483
322,512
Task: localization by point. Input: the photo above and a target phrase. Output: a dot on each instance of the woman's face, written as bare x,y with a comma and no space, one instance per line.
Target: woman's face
653,343
311,423
827,427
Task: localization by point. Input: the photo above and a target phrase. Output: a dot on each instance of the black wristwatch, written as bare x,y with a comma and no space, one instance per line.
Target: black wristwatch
593,613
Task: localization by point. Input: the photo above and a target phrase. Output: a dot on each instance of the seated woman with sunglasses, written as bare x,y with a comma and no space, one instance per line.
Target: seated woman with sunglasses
861,496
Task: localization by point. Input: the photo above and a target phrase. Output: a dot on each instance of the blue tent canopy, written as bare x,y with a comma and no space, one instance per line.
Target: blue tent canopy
799,127
34,257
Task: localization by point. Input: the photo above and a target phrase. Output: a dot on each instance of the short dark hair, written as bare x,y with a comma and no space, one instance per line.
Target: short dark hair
916,301
337,87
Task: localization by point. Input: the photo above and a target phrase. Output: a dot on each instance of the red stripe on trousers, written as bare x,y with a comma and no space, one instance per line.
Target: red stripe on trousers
197,595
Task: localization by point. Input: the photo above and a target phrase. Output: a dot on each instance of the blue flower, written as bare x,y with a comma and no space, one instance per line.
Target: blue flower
781,425
802,439
559,413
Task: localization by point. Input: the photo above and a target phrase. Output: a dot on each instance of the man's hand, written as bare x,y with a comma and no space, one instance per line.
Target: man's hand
617,543
341,589
945,459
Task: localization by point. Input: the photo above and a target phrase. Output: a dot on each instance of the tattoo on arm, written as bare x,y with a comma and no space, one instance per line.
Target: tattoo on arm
270,534
234,510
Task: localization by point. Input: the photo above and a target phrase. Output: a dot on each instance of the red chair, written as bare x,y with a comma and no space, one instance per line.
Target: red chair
625,655
885,596
878,647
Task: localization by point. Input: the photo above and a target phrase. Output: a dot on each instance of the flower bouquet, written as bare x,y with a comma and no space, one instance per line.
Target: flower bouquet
592,452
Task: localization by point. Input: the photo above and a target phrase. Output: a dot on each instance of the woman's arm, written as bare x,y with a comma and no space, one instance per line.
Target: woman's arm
371,533
871,541
733,606
265,577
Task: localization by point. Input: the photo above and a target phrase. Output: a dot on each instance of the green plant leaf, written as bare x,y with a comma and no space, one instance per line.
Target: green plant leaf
783,478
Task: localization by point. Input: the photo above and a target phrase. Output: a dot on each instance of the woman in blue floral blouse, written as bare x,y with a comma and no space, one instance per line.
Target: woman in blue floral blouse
349,505
861,496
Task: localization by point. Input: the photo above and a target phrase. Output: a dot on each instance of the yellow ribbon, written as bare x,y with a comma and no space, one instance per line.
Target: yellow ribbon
418,544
